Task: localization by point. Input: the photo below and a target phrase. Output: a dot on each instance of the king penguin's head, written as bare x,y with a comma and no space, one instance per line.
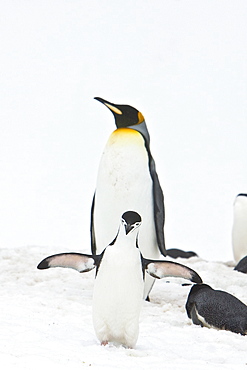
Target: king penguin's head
124,115
131,220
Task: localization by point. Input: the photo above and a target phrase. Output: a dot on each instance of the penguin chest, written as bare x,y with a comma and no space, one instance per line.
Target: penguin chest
124,183
124,163
117,296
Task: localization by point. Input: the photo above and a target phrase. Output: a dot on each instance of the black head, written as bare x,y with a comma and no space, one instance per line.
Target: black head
242,195
124,115
131,220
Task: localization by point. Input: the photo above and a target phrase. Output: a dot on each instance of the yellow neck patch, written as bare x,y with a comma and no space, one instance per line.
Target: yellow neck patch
123,131
125,138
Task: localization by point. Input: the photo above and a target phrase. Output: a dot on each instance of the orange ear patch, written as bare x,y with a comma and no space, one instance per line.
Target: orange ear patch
140,118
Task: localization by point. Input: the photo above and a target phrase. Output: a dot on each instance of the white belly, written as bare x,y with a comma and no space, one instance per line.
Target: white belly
117,296
124,183
239,230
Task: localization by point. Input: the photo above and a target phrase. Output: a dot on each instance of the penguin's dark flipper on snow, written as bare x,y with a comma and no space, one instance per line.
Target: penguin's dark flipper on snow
176,253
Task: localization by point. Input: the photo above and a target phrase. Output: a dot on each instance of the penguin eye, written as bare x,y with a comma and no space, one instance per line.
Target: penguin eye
137,224
123,222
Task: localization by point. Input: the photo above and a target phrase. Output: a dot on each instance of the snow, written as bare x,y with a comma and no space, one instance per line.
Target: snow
46,320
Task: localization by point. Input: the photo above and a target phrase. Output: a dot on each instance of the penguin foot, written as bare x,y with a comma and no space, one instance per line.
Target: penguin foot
104,342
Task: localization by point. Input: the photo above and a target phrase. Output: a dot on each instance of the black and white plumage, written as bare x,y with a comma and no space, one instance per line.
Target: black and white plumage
119,281
127,179
239,228
217,309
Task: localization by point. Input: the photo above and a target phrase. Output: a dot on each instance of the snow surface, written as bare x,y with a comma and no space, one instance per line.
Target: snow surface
46,320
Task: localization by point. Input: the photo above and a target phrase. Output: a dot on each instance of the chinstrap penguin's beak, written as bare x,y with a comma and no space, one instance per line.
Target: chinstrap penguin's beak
128,228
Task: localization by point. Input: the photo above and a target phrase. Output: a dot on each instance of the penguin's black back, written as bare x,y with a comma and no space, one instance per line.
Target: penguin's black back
218,308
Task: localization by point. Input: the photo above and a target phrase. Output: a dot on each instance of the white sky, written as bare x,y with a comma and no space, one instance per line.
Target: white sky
183,64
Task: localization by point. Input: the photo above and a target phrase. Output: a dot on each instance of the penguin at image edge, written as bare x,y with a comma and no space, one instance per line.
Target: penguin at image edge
239,228
212,308
119,280
127,179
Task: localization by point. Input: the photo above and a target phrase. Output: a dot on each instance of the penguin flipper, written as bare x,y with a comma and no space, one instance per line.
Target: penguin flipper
76,261
92,232
160,269
194,316
159,209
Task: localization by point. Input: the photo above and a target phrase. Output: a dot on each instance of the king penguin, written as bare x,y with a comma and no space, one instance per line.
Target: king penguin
216,309
127,179
239,228
119,281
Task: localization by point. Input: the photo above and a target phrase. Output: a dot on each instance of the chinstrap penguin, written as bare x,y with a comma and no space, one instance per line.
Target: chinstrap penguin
127,179
119,281
216,309
239,228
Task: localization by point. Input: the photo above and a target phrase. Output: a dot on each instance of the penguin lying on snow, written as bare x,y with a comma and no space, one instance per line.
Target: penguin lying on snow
242,265
127,179
176,253
118,289
217,309
239,228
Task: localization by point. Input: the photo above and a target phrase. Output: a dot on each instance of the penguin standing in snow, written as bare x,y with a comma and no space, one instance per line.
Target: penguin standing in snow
239,229
119,282
127,179
217,309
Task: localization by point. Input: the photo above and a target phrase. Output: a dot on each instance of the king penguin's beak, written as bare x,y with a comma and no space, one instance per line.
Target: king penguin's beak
113,108
103,101
128,228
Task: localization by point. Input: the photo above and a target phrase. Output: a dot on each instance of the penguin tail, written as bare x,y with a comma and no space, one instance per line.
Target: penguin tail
160,269
76,261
